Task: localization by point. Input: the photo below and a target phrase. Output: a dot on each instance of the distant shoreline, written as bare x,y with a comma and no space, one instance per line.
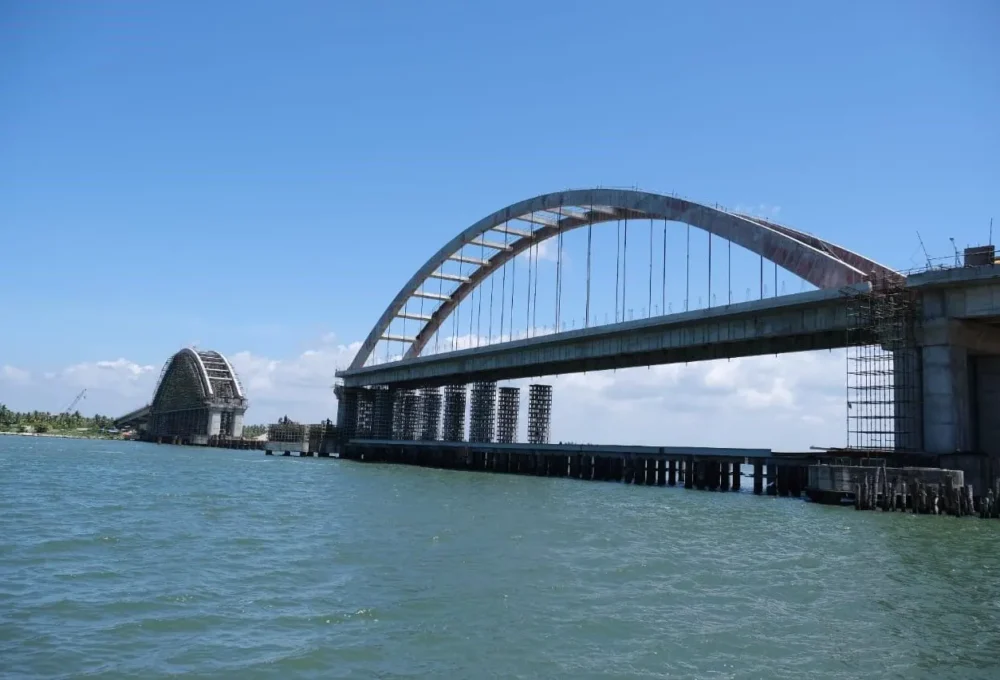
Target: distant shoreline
56,435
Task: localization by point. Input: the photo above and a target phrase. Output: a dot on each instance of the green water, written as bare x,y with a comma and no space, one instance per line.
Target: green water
120,559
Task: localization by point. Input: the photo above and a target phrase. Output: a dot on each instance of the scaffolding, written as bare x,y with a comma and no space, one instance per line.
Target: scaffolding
539,413
412,414
382,398
507,410
431,426
483,412
364,417
454,413
288,431
883,370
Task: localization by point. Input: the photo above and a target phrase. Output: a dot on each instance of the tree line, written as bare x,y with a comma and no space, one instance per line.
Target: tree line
43,421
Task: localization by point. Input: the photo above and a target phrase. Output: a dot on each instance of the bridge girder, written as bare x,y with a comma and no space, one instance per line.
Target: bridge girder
821,263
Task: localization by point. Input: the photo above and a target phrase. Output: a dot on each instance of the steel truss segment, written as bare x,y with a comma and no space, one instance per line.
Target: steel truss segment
398,338
490,244
820,263
513,231
429,296
468,260
537,218
448,277
414,317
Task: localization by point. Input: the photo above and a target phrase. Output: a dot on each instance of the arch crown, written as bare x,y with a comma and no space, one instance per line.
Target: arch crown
192,378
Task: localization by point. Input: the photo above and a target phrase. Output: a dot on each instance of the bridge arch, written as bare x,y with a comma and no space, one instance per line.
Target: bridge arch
198,394
535,220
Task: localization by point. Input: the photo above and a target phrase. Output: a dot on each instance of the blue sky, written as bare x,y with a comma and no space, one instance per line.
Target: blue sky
255,176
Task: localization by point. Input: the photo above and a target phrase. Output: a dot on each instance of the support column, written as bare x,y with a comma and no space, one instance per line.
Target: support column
782,480
628,469
454,413
758,478
539,413
382,412
672,472
431,425
507,410
772,479
737,475
347,413
725,475
688,473
483,412
617,469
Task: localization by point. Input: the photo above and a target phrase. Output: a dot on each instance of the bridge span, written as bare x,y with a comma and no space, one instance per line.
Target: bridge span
923,351
197,398
791,323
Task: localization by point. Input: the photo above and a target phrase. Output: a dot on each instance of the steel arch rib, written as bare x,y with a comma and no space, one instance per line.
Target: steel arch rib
190,354
819,262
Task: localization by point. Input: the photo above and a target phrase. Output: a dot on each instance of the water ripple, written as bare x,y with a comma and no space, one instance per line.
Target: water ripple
132,560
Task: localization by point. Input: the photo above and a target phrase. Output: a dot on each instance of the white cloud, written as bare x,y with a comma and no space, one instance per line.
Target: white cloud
15,375
300,387
785,403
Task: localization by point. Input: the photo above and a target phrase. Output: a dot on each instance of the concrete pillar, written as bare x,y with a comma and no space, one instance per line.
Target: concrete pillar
794,481
600,469
951,365
617,469
628,470
661,473
652,471
772,479
947,422
237,425
758,478
672,472
725,475
783,480
737,476
214,423
688,473
986,415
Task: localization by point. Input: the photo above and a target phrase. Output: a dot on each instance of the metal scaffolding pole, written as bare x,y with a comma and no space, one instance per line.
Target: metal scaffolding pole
482,412
454,413
539,413
507,410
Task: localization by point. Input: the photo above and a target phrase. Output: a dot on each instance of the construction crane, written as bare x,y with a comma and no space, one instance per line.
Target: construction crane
83,393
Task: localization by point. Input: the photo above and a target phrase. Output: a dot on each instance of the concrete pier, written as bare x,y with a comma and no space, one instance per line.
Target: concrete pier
926,490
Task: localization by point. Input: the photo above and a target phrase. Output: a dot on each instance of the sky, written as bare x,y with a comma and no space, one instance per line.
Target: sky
261,178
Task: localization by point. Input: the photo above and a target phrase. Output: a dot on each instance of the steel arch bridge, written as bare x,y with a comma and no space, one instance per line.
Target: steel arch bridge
198,396
501,236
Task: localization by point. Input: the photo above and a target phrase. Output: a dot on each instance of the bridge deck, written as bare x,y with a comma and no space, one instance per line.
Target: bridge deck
789,323
697,453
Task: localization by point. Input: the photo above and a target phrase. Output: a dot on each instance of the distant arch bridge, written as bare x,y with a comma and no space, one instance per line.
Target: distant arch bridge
198,396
